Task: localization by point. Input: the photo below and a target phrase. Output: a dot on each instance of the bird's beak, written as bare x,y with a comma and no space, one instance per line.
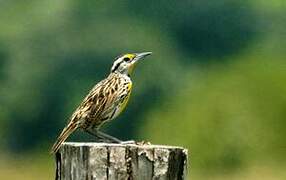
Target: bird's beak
141,56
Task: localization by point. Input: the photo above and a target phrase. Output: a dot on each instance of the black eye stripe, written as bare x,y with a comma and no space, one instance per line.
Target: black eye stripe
126,59
119,62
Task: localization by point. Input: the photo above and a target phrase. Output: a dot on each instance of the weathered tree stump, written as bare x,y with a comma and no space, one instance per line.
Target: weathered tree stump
86,161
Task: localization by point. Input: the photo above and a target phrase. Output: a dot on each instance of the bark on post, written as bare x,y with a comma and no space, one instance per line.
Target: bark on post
104,161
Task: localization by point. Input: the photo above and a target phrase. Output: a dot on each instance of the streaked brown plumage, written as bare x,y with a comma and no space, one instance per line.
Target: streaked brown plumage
104,102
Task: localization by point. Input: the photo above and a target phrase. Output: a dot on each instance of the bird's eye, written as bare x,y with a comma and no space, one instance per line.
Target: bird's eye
126,59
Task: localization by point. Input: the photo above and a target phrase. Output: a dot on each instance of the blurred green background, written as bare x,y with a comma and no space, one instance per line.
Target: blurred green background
214,84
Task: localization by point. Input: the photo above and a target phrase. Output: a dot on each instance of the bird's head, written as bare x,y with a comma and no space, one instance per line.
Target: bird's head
125,63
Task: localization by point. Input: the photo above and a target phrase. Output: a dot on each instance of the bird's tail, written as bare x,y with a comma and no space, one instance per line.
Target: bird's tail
71,127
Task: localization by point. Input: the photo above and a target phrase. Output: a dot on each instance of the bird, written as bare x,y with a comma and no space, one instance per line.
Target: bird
105,101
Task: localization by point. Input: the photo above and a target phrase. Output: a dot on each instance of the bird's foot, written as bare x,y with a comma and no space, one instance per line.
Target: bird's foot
140,143
128,142
143,143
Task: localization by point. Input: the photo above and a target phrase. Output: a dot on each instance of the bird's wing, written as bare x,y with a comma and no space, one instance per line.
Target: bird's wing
103,97
93,103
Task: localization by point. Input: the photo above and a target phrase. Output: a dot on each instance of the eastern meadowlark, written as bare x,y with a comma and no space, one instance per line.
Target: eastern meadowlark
105,101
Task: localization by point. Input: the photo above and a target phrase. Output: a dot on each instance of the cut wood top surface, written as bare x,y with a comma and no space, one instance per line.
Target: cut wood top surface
153,146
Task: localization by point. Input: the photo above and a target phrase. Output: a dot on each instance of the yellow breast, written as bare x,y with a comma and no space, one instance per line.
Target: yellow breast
125,101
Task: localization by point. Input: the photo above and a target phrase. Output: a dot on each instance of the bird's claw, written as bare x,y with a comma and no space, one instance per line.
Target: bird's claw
136,143
143,143
128,142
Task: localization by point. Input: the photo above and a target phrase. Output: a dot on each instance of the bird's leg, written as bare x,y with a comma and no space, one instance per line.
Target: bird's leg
95,134
108,137
104,135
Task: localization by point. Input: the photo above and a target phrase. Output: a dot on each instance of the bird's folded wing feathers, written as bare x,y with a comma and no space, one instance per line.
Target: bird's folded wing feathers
100,99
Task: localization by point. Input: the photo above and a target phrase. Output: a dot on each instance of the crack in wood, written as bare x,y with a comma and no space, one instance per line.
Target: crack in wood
128,159
58,165
108,162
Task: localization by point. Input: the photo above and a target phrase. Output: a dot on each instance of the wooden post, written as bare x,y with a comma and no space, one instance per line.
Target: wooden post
102,161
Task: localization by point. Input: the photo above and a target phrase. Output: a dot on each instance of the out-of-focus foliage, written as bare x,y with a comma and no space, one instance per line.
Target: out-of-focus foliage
234,112
215,82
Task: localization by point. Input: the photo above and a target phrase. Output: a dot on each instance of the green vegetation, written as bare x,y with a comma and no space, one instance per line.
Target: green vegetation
215,82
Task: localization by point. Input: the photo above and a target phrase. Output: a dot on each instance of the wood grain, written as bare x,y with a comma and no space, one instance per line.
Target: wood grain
104,161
